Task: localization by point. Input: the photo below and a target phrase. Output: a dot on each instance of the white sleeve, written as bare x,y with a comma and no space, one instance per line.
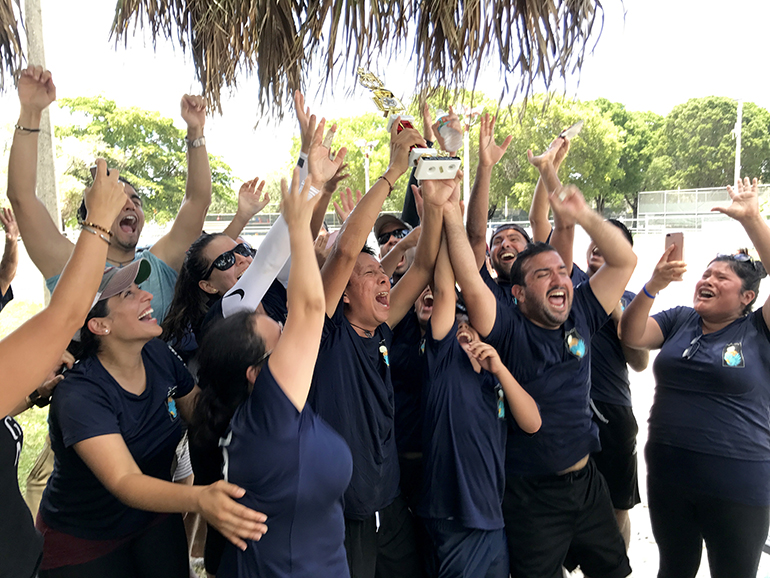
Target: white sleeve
271,259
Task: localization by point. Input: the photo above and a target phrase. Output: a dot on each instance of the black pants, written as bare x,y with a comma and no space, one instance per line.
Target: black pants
385,552
159,552
681,521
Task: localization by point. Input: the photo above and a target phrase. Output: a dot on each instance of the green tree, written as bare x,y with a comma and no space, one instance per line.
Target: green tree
145,147
698,137
640,138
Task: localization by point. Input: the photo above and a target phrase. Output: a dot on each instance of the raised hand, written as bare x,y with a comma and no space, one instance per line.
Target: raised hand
36,89
551,154
106,197
438,192
400,144
250,198
322,166
296,208
303,117
745,201
490,152
9,224
568,204
322,247
665,272
454,122
194,112
331,185
418,202
346,204
237,523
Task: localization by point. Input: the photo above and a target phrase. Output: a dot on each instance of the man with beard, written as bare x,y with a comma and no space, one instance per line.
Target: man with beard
555,500
50,250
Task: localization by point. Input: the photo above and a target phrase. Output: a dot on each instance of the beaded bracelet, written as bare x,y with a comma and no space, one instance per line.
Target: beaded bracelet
97,227
647,292
94,232
390,185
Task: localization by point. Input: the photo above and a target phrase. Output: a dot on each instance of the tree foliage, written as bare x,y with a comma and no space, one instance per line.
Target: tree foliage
145,147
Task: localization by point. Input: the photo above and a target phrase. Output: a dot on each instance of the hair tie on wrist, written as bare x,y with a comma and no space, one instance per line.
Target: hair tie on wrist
390,186
647,292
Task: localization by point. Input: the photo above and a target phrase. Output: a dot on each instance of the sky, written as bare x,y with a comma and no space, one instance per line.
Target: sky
652,55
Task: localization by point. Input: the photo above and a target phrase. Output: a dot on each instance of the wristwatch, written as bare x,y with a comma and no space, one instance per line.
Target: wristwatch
194,144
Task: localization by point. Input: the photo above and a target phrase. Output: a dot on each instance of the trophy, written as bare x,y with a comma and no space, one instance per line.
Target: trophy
430,164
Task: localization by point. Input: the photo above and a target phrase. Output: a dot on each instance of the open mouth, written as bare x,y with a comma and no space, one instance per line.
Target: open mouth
383,298
427,301
464,337
128,224
706,294
507,257
146,316
558,298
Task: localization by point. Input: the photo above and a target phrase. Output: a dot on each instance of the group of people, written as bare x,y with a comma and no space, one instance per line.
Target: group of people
445,407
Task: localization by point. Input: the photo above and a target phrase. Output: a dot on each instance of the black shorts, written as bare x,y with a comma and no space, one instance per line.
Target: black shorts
548,516
617,460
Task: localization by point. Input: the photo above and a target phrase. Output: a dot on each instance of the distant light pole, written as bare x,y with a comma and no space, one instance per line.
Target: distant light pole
738,124
469,115
367,148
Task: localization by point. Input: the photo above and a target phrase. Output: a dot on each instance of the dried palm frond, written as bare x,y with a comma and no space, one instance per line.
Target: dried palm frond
11,53
451,39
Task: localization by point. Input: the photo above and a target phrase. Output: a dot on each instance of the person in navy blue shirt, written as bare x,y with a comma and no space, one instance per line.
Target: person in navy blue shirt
352,388
555,500
293,466
708,448
10,256
464,430
114,426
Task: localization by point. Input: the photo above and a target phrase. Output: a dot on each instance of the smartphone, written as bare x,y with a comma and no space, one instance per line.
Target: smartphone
93,172
572,131
676,239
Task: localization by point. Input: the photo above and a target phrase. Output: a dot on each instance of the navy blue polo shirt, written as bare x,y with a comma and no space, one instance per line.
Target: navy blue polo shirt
90,403
294,468
6,298
464,438
552,365
709,426
407,375
609,369
501,291
352,391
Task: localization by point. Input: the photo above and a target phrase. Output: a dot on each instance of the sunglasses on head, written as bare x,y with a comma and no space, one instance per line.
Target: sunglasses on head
227,259
397,233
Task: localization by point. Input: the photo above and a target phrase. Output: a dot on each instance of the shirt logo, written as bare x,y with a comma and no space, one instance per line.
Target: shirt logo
171,403
500,401
732,355
422,346
575,344
384,352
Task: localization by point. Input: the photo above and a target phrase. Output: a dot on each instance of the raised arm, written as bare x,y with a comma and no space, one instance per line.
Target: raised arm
538,211
744,208
351,238
407,290
444,297
29,353
293,359
563,236
637,329
11,252
609,282
46,246
490,154
187,226
250,202
479,299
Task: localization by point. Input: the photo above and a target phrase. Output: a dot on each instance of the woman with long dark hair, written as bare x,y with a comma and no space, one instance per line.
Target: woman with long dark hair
110,508
256,376
708,448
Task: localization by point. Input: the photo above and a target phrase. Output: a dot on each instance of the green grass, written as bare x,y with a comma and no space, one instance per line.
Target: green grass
34,421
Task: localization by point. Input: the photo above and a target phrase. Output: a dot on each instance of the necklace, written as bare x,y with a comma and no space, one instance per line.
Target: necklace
119,263
367,333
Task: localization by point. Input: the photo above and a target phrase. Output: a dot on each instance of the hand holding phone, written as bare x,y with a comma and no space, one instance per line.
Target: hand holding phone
676,239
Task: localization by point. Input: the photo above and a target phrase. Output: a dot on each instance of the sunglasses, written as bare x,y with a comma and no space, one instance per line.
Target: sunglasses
227,259
397,233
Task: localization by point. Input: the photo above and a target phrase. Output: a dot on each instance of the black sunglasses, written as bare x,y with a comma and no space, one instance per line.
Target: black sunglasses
397,233
227,259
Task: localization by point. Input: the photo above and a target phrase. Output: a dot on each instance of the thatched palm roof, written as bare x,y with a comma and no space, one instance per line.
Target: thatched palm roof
11,52
451,39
